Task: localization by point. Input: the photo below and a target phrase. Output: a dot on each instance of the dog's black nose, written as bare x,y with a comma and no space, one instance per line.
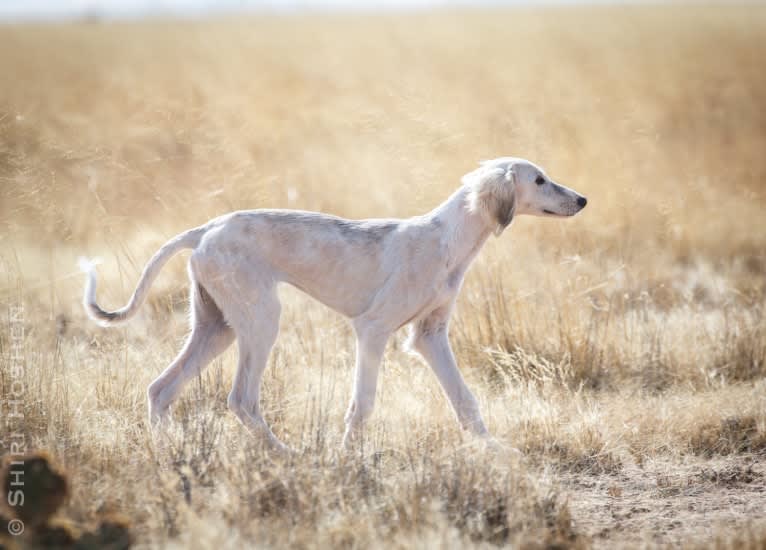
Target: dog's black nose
581,202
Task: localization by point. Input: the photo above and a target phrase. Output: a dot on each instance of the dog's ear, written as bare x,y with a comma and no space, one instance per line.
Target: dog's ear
493,195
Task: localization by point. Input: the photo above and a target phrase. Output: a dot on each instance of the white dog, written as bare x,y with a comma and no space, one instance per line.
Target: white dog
381,274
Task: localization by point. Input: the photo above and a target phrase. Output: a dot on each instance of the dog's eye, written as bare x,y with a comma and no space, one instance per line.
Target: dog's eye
540,180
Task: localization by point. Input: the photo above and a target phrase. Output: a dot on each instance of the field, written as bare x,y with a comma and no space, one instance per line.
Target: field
623,351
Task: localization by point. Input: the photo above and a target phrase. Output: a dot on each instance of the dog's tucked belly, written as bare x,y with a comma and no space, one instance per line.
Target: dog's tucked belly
395,302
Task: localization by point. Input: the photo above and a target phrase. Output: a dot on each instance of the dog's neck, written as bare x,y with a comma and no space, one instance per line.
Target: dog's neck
466,231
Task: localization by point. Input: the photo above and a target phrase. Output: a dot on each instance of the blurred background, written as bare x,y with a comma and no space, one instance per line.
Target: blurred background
55,9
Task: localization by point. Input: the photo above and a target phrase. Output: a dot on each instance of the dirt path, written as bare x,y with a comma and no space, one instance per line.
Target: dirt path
668,502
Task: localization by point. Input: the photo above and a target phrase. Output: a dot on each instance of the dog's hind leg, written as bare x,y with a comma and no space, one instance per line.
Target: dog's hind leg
257,326
209,337
246,293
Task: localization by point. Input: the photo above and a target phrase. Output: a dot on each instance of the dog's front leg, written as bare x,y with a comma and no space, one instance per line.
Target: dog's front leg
370,345
435,348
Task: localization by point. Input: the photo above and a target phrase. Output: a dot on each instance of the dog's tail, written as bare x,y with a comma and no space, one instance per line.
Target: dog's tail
188,239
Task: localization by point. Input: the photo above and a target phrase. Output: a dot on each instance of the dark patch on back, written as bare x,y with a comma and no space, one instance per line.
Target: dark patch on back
366,230
371,231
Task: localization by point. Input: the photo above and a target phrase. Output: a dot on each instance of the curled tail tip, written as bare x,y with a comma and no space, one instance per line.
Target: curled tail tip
101,317
87,265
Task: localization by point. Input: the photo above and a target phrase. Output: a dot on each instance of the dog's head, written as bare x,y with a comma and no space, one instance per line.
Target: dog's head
506,187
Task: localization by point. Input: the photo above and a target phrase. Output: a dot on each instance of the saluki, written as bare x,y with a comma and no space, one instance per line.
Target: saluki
382,274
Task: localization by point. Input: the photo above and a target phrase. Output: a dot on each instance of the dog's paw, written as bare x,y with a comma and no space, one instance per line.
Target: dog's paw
278,449
499,448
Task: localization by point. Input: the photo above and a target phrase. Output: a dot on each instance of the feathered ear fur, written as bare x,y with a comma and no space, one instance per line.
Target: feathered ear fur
493,195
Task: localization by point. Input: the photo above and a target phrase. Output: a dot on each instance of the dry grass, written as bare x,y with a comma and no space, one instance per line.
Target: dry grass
623,351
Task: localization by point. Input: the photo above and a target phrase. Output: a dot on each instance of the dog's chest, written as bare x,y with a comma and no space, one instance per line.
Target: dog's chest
444,288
